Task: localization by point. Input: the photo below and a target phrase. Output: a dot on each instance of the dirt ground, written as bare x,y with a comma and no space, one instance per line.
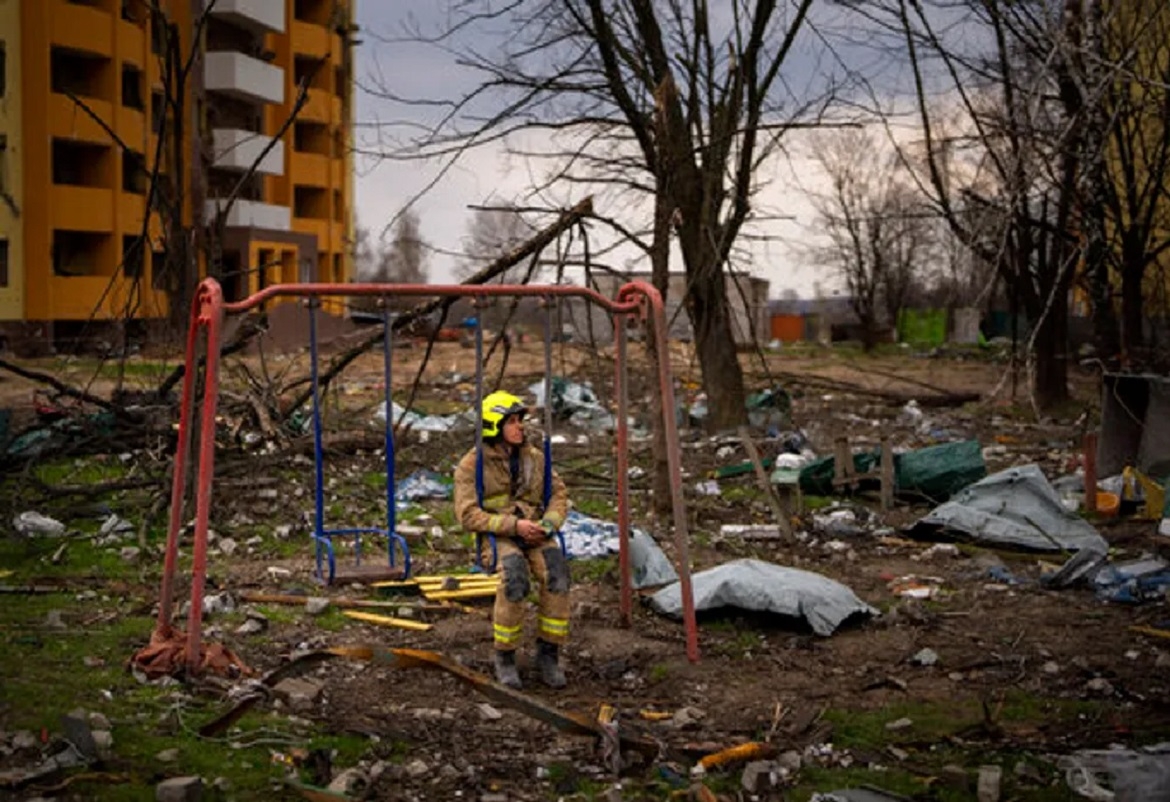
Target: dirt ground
1023,673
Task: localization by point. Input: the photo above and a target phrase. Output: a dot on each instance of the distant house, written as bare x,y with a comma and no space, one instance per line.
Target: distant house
747,298
803,319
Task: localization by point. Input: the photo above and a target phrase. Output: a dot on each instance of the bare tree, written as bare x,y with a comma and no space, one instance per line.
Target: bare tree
671,101
875,228
492,232
1133,64
365,258
403,261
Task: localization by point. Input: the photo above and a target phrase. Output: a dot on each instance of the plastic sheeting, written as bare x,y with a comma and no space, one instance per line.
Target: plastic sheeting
764,587
1120,775
1016,507
593,537
424,423
420,485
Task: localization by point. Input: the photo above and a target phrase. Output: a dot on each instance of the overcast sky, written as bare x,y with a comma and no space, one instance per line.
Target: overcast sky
489,176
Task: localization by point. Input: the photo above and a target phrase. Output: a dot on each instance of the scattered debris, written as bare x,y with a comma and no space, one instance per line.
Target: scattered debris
32,522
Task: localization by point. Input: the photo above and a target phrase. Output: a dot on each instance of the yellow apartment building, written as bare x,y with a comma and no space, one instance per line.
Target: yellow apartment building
73,189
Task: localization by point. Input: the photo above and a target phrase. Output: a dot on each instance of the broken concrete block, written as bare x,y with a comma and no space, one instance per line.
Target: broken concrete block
1099,686
760,776
250,627
53,620
130,554
989,781
488,713
350,781
417,769
900,724
179,789
24,740
167,756
316,605
228,546
298,693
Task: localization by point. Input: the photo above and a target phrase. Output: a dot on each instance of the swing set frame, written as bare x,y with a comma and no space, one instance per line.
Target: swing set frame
202,361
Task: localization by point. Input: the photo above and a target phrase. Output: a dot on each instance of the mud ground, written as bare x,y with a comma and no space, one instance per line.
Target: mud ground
1021,670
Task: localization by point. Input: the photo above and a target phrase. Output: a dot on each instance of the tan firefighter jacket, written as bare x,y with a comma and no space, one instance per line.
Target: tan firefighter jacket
504,504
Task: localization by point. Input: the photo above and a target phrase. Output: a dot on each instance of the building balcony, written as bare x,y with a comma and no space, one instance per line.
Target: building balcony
251,214
309,39
239,150
131,127
82,208
243,77
131,209
131,43
82,28
310,169
261,16
321,106
69,121
315,226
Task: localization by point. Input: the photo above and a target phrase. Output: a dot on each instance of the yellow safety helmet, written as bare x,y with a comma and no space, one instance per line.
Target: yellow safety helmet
496,409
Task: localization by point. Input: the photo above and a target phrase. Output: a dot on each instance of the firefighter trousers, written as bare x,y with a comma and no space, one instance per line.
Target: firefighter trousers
518,568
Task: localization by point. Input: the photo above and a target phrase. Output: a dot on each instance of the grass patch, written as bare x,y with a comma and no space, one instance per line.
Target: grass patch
814,503
595,507
594,570
88,471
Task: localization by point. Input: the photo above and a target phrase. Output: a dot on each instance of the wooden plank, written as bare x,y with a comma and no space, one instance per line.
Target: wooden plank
387,621
749,445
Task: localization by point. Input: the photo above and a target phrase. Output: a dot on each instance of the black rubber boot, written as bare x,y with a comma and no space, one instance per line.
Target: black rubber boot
547,660
506,673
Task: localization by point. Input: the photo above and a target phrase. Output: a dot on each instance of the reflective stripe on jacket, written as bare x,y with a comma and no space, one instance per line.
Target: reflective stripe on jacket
502,506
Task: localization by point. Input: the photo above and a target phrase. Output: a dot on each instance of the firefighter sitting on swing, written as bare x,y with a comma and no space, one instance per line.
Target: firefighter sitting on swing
513,510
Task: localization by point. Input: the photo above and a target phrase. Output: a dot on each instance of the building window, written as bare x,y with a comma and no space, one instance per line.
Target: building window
82,164
158,34
338,207
158,270
134,11
3,263
309,137
133,172
133,251
157,111
3,164
78,253
132,87
73,73
311,202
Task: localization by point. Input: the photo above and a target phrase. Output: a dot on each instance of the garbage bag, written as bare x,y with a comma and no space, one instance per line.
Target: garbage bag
1015,507
765,587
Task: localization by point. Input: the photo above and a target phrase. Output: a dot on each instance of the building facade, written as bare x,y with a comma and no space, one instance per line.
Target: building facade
85,90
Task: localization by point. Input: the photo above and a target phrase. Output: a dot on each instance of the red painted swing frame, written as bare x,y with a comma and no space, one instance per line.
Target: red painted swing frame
208,309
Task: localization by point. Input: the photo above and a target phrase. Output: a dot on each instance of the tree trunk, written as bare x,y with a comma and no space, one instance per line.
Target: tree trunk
1050,380
722,376
1132,336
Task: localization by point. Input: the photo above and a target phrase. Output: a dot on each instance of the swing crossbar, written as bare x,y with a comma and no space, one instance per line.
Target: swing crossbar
202,362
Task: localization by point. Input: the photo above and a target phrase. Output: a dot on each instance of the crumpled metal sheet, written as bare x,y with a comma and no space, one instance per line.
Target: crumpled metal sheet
761,586
1015,507
166,655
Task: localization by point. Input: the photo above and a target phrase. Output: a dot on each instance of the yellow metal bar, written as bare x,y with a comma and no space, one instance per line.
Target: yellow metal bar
387,621
468,593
